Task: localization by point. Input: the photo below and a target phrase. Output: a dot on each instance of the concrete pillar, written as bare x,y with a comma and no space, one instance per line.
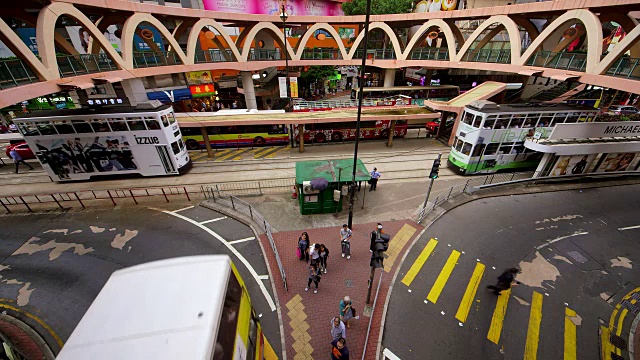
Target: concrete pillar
543,163
249,90
135,91
389,77
207,143
392,129
301,137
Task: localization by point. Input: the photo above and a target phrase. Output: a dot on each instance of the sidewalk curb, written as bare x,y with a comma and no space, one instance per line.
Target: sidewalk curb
223,210
467,199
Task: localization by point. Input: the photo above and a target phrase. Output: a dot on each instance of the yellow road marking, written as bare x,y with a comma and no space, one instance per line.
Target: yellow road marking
419,263
606,344
470,293
498,317
36,319
623,314
441,281
258,153
231,154
241,153
269,353
533,331
198,156
613,316
396,244
569,335
273,154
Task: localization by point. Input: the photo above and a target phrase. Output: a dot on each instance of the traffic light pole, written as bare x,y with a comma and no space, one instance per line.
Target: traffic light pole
370,285
433,169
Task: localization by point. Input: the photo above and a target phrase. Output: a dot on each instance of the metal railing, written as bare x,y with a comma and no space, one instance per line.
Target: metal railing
381,54
215,194
625,67
72,65
145,59
213,55
14,73
333,104
265,54
321,54
488,56
87,197
561,60
429,54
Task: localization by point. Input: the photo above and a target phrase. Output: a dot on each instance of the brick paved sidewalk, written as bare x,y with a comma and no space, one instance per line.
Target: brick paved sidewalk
306,316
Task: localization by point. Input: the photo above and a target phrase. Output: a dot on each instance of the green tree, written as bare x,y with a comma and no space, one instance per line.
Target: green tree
313,75
378,7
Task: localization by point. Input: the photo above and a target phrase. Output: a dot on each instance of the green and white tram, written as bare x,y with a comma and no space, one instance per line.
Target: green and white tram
490,137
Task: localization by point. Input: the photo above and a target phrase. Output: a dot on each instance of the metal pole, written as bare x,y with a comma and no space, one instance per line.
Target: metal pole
360,99
286,56
373,270
429,190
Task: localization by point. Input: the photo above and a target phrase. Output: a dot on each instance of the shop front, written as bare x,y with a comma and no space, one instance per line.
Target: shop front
179,98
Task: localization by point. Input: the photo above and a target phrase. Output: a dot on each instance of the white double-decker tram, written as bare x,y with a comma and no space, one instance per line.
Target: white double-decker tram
78,144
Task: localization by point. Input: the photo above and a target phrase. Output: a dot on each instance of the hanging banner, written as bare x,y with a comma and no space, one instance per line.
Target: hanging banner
293,83
149,33
80,38
282,82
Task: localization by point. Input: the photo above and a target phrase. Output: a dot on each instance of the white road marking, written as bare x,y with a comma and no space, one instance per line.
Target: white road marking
212,220
241,240
389,355
549,242
263,277
629,228
175,211
232,249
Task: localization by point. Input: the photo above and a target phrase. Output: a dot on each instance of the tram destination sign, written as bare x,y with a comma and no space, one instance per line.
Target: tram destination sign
596,130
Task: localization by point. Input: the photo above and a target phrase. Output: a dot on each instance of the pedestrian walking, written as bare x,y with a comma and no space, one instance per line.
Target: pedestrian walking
345,240
375,175
347,312
314,275
505,281
339,349
17,159
314,253
303,246
323,253
337,329
375,235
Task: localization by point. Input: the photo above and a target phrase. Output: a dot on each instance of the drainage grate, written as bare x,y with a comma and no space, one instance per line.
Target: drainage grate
636,296
348,283
631,307
615,356
618,342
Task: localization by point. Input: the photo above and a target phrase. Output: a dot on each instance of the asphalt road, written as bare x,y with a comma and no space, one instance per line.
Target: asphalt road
572,249
54,265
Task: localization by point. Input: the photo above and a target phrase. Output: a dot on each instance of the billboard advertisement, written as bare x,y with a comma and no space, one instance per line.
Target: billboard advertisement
273,7
149,33
28,36
617,162
572,165
80,38
436,5
199,77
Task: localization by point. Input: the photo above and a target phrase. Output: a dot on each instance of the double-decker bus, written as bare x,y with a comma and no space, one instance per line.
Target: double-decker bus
490,137
340,131
77,144
194,307
440,92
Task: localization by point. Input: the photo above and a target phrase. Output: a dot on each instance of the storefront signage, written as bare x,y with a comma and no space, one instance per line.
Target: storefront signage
167,96
199,77
202,90
282,82
293,82
149,33
227,84
596,130
113,101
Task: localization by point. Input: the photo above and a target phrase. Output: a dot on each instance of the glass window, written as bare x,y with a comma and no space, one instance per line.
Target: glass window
505,148
82,126
490,122
212,130
181,144
532,120
518,149
118,125
466,148
517,121
152,124
491,149
63,127
46,128
477,121
559,119
28,129
177,133
172,118
175,147
165,121
545,120
229,319
278,129
467,118
100,125
459,145
136,124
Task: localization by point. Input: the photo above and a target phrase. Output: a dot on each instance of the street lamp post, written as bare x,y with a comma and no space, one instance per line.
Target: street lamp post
284,17
360,98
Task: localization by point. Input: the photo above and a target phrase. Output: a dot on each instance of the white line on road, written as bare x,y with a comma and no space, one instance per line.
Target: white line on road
212,220
233,250
549,242
263,277
629,228
389,355
241,240
187,208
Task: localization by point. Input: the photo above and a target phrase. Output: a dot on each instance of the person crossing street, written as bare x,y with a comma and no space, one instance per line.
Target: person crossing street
505,281
345,240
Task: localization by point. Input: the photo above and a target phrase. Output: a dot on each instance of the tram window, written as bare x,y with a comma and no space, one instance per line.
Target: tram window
165,120
531,121
63,127
172,118
100,126
46,128
118,125
152,124
489,122
181,144
491,149
505,148
229,320
518,149
459,145
177,133
573,118
466,148
517,122
175,147
136,124
545,120
278,129
28,129
558,119
82,126
468,118
477,121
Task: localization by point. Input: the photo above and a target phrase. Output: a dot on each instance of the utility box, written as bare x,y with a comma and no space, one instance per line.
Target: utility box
337,172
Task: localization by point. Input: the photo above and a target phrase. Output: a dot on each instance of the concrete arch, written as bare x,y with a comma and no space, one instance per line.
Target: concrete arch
45,30
129,29
305,38
103,23
273,30
444,27
529,27
456,32
509,25
592,26
630,40
20,49
627,22
192,41
384,27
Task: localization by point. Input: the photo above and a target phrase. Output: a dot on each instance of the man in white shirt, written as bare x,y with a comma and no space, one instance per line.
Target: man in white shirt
345,238
338,329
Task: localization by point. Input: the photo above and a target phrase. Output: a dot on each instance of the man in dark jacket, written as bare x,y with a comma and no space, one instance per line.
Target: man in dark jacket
505,281
339,350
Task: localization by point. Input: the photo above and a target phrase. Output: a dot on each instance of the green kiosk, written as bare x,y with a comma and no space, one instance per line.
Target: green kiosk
336,176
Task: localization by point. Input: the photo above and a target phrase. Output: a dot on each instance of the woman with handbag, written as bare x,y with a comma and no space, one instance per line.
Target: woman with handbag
347,312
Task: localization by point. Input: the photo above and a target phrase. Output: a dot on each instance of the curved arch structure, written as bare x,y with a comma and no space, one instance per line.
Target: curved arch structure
595,70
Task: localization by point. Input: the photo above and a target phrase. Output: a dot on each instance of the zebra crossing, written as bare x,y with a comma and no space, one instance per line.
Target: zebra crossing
237,154
456,266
